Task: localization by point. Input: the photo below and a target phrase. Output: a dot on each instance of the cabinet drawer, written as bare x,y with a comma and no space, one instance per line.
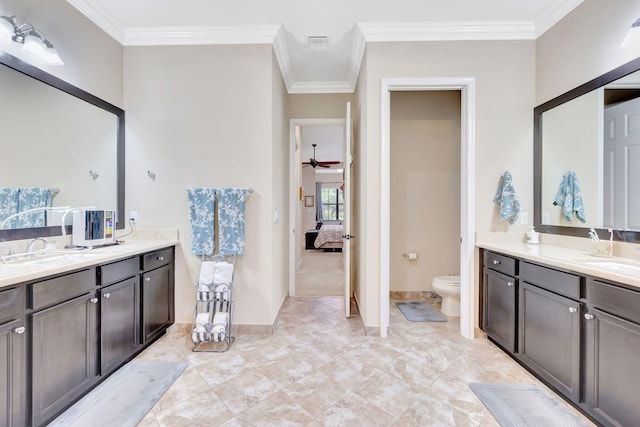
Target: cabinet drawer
614,299
120,270
553,280
500,263
11,302
157,259
62,288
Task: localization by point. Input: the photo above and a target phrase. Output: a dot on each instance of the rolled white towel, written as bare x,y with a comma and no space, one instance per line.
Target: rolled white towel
201,320
207,272
223,291
220,318
224,272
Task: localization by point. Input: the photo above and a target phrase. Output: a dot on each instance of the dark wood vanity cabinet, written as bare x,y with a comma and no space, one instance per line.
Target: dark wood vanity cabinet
499,311
612,335
157,293
13,390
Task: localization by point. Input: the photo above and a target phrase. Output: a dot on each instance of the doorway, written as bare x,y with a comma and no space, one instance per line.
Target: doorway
466,86
316,199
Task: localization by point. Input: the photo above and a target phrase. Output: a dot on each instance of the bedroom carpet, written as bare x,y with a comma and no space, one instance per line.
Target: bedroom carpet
124,398
416,311
321,274
522,405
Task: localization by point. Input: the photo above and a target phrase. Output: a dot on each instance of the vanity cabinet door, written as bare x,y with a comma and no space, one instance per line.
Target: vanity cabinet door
12,376
119,323
499,311
157,302
64,355
549,337
612,377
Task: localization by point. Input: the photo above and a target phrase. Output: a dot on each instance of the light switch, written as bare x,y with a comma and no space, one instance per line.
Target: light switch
524,218
545,217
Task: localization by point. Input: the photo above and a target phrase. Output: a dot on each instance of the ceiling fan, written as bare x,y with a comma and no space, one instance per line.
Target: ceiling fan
314,163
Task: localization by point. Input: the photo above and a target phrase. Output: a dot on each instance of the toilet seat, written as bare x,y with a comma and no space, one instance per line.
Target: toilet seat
447,280
448,287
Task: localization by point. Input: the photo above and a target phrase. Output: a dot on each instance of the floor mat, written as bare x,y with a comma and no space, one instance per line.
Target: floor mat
420,312
516,405
125,397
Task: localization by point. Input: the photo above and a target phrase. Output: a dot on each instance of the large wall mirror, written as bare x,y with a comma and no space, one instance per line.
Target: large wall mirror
61,147
587,158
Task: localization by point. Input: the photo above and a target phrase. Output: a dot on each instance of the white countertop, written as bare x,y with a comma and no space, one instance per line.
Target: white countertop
61,261
621,270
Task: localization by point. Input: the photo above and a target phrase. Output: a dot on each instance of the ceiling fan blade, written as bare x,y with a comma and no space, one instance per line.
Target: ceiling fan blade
330,162
323,166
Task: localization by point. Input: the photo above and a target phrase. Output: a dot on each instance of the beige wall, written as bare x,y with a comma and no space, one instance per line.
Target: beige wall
425,178
92,59
318,105
504,76
196,123
584,45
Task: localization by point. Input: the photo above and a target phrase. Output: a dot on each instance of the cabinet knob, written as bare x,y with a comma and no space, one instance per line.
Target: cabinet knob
160,258
496,262
93,300
107,296
19,330
572,309
588,316
147,279
509,284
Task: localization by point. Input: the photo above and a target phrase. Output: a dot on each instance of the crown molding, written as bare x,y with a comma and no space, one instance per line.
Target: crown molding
282,56
101,16
553,13
357,53
208,35
443,31
321,87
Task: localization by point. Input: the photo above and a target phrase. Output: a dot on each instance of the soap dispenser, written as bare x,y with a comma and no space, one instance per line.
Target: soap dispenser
533,236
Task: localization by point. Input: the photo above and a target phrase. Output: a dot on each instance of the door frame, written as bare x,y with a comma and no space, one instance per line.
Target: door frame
466,86
294,195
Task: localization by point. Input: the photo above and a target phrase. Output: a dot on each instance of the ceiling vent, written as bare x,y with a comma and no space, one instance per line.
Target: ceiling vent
318,42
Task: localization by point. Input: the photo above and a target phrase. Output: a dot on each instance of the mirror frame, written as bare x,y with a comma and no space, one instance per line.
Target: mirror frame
53,81
618,235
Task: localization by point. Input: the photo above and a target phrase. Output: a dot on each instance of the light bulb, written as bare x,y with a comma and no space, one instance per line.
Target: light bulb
51,56
33,45
633,36
6,30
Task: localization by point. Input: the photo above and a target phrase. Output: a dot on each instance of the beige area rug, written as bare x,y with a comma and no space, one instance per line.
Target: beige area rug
321,274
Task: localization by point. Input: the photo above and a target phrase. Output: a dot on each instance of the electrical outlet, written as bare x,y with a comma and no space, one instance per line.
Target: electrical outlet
133,216
545,217
524,218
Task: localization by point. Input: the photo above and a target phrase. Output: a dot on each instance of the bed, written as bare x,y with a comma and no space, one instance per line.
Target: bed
329,237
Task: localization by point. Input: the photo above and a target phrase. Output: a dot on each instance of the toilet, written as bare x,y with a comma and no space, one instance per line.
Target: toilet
448,287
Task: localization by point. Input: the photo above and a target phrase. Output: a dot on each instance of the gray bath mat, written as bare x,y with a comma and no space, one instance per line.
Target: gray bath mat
124,398
419,312
516,405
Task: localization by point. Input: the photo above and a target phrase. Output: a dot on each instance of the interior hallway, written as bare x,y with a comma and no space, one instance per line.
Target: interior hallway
318,369
321,274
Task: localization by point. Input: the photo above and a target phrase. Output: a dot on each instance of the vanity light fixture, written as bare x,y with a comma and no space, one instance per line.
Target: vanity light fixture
34,42
633,35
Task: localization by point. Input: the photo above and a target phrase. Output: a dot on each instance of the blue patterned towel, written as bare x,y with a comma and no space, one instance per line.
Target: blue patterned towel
570,197
8,205
231,220
33,198
202,203
507,198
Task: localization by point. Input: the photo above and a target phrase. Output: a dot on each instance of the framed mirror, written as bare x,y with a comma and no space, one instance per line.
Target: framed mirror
587,158
60,143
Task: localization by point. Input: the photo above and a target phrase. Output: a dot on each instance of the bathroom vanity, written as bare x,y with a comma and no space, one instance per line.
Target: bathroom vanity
570,318
68,321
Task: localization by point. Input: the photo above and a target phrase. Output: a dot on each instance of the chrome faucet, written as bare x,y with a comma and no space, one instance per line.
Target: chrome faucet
32,244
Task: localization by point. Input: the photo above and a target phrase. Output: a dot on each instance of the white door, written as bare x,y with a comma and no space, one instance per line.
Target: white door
621,148
346,222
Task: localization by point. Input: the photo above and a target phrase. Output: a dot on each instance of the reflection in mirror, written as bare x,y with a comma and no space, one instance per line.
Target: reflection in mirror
587,157
62,147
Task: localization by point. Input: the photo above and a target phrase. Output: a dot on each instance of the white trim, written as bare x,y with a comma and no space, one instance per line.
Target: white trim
553,13
294,202
321,87
357,53
439,31
102,17
282,56
206,35
466,86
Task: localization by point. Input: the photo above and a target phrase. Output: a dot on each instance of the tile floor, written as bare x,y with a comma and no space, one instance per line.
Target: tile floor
318,369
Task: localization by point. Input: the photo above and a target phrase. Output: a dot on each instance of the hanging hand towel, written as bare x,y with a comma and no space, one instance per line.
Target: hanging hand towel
231,220
202,202
570,197
8,205
32,198
507,198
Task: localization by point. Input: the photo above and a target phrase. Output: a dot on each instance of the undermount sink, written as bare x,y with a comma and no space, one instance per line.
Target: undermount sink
62,259
623,267
7,270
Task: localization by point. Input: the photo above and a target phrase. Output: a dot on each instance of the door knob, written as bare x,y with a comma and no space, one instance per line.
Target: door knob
572,309
496,262
93,300
107,296
589,316
147,279
19,330
509,284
